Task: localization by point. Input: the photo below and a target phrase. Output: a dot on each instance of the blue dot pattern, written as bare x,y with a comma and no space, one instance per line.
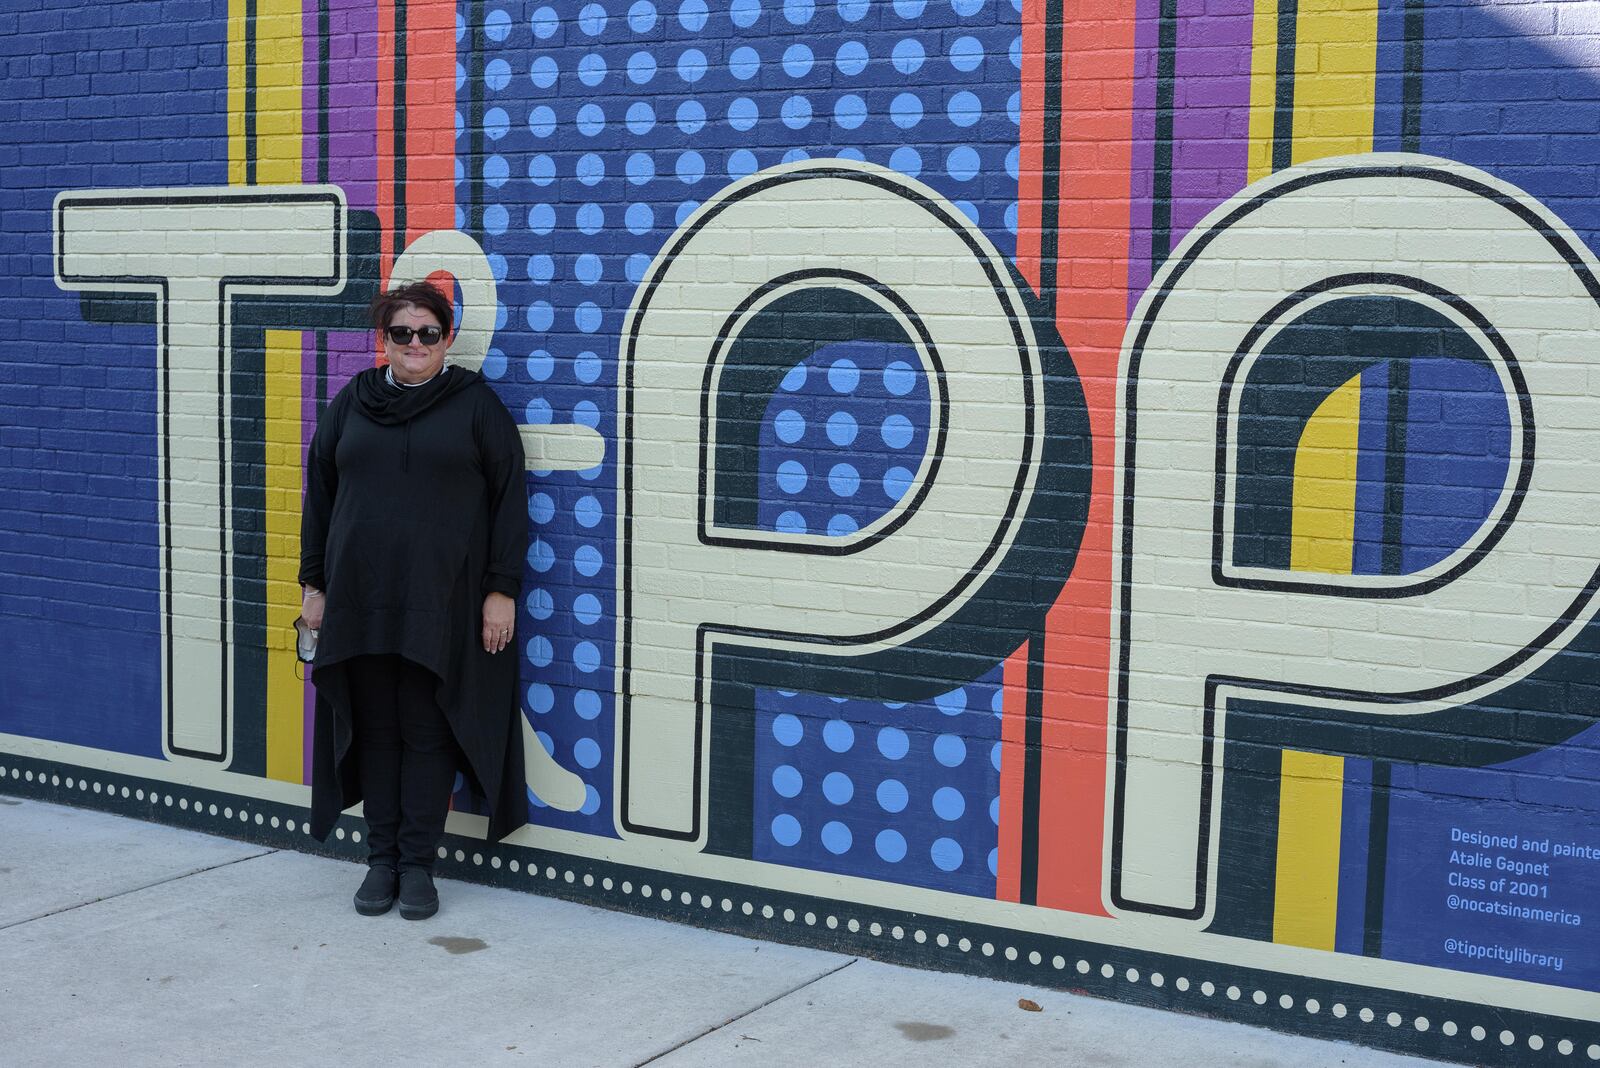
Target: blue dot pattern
603,126
906,793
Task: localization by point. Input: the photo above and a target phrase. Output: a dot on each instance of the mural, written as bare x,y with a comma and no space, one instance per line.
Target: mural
1095,494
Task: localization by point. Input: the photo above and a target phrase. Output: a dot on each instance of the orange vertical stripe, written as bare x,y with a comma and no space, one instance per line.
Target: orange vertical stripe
1030,176
1092,309
1013,742
385,139
430,117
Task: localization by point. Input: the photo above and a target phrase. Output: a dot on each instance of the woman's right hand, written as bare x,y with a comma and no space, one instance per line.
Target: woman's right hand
311,605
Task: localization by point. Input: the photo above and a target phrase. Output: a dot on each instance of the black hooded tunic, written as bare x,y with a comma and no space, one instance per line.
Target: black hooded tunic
415,510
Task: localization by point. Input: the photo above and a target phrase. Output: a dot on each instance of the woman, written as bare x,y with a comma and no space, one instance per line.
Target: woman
412,545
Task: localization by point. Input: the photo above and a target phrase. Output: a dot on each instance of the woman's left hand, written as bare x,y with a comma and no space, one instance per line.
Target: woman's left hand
499,614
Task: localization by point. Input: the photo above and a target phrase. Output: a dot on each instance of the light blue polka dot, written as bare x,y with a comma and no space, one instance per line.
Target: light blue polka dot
541,698
496,171
586,413
586,657
691,116
787,781
994,811
891,846
743,114
994,861
541,508
897,431
1011,218
962,163
950,750
540,652
587,560
997,701
964,109
785,830
545,22
496,123
892,796
789,425
838,788
588,511
541,218
1014,108
838,735
909,9
836,837
1015,52
586,703
851,59
946,854
541,268
591,801
851,153
849,112
843,375
787,729
592,69
791,522
460,171
541,121
906,160
540,365
587,316
591,119
797,60
546,741
795,155
541,170
994,756
841,428
844,480
692,65
966,53
745,13
742,163
853,10
640,168
639,218
592,20
591,218
501,316
691,167
586,606
799,12
681,213
969,209
641,68
908,55
541,315
635,268
537,413
543,72
587,269
591,168
692,15
642,17
494,364
539,603
953,703
461,80
966,8
905,110
495,219
586,751
461,27
796,113
497,75
948,804
795,378
893,742
640,118
744,63
841,526
791,476
896,481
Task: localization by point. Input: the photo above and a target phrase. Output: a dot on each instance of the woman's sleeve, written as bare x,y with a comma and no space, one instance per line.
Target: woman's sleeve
322,482
506,476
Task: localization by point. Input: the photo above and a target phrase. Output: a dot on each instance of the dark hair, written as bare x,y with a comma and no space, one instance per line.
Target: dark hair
418,294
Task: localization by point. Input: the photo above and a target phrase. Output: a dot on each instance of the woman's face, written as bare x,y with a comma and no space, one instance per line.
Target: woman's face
415,361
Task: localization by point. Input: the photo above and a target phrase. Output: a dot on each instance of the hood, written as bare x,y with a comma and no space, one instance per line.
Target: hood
383,403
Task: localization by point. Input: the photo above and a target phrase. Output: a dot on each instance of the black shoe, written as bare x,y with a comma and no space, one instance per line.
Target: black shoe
418,898
377,891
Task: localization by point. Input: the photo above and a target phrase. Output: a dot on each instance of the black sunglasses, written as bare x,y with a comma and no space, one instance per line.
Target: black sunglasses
401,335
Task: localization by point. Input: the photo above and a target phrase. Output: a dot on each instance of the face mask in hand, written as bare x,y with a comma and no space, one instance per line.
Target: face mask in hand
305,641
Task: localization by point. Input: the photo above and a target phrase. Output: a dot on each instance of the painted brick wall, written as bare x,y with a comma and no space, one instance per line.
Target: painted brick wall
1096,493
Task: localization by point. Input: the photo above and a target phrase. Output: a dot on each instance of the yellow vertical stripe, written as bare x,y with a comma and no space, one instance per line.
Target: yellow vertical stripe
1310,803
285,691
279,58
1324,515
236,95
1335,77
1263,88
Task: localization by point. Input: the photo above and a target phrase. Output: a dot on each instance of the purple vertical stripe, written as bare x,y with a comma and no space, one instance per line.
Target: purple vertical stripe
1146,40
1211,121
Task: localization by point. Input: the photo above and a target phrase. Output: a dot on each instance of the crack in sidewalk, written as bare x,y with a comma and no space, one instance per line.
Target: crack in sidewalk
137,889
714,1028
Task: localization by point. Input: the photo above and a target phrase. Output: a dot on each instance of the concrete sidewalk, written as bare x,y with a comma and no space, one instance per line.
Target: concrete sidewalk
129,943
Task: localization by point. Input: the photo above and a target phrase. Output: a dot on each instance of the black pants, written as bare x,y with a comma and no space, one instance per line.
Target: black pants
407,759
